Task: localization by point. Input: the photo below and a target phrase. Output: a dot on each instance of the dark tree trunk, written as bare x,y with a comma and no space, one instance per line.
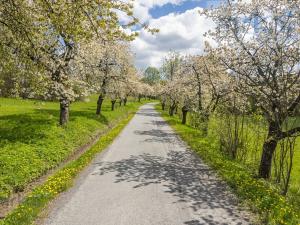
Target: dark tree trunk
199,85
269,148
205,120
172,110
99,104
64,112
113,102
163,104
140,97
120,102
184,114
125,101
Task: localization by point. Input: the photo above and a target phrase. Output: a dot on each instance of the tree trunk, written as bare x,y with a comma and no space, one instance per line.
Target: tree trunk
172,110
113,102
269,148
163,104
140,98
120,102
199,85
64,112
184,114
99,104
125,101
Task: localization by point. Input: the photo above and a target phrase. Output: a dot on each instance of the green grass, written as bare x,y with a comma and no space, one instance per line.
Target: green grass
294,191
296,168
295,181
263,197
28,211
32,142
254,133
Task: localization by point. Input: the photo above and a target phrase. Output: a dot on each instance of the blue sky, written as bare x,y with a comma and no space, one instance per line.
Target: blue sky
159,11
181,29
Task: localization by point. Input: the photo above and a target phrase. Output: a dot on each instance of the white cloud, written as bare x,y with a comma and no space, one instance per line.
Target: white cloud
142,7
152,3
141,12
180,32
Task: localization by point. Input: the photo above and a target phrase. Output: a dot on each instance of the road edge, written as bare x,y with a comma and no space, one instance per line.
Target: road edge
61,180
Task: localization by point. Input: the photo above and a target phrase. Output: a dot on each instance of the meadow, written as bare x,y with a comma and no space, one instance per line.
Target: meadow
32,142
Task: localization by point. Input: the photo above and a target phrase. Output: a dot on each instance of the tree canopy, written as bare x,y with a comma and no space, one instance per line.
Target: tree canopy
152,75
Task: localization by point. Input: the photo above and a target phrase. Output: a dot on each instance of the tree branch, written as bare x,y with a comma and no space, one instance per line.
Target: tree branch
293,106
295,131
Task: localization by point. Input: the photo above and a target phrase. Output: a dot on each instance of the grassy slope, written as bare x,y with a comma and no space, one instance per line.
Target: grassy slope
32,142
34,203
261,196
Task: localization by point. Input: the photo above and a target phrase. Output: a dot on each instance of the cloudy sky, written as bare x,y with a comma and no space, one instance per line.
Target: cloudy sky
181,29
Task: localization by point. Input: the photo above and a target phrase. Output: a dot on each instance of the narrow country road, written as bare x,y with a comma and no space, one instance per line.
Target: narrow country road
147,177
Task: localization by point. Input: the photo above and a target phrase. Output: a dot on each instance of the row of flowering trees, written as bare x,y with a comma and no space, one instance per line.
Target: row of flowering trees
252,68
65,49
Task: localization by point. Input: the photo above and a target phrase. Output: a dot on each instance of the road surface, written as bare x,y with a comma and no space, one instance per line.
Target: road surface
147,177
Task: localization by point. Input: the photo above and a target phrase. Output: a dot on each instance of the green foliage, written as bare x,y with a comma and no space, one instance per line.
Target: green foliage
34,203
263,197
32,142
171,65
151,75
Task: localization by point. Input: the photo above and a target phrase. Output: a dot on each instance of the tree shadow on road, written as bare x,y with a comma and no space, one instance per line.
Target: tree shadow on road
157,135
148,112
184,176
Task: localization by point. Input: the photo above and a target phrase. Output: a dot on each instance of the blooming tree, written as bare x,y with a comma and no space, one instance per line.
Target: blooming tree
259,42
105,63
49,33
198,85
171,65
210,80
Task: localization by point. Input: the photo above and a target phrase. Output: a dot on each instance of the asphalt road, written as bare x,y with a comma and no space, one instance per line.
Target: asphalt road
147,177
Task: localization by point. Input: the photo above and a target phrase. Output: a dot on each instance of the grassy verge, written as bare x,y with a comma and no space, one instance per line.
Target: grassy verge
261,196
32,142
294,191
36,201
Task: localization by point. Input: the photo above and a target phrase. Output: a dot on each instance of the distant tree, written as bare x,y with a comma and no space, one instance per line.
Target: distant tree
171,65
151,75
198,84
210,81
